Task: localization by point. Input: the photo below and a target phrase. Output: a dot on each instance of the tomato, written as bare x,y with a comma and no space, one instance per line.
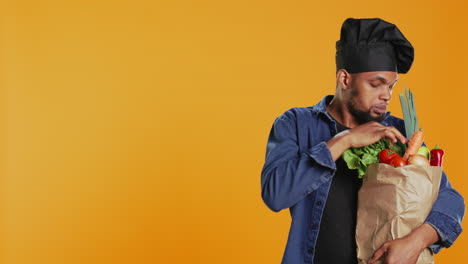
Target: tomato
386,155
397,161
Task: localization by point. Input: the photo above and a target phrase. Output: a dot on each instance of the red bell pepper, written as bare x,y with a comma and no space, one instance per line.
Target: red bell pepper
436,156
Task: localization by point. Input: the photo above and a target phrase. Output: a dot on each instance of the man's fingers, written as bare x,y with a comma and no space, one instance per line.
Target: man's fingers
371,132
391,136
398,134
394,135
378,254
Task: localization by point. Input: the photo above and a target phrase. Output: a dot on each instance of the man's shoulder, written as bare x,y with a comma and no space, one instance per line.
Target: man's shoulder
307,111
295,113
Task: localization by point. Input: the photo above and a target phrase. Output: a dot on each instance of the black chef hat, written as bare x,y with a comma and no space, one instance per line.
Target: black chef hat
372,45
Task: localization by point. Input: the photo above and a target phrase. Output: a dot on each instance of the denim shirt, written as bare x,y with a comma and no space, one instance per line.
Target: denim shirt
298,171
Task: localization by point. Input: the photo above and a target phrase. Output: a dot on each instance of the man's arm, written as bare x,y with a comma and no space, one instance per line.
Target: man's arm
363,135
406,250
289,175
446,215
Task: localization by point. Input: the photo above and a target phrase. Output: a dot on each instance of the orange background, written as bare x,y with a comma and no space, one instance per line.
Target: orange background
135,132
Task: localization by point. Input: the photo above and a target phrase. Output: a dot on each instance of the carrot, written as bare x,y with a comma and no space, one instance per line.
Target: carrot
414,144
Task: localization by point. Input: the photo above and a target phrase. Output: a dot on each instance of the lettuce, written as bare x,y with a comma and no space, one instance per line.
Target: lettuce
360,158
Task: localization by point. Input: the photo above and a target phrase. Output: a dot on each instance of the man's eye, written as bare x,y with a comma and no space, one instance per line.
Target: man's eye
374,85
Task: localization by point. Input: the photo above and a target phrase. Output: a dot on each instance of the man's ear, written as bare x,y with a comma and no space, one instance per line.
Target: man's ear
343,79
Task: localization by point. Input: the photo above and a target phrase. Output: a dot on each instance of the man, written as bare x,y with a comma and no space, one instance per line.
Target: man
303,170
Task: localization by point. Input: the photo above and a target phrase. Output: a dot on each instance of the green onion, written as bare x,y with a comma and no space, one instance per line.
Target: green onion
409,112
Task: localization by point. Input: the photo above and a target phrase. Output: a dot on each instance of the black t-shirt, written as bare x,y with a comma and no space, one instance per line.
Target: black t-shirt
336,242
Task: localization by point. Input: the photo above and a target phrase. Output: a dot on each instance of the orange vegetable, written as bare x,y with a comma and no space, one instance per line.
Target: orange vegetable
414,143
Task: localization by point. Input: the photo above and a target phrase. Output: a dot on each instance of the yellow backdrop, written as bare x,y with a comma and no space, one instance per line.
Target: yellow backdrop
135,131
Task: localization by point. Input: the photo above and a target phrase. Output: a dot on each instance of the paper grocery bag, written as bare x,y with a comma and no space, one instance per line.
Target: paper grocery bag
391,203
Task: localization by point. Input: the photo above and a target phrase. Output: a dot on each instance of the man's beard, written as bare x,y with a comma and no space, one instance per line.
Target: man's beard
362,116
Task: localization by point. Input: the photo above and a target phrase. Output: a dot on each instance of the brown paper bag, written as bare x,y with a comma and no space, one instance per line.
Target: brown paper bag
391,203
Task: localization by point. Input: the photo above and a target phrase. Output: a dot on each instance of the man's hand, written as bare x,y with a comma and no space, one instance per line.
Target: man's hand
372,132
363,135
401,251
406,250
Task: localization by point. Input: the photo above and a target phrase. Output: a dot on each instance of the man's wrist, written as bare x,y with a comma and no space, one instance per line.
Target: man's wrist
338,144
425,235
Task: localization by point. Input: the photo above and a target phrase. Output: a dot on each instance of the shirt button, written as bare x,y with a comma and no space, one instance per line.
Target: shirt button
310,250
314,226
319,203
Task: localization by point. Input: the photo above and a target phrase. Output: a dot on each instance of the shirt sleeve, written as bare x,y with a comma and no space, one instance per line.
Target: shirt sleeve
289,175
446,215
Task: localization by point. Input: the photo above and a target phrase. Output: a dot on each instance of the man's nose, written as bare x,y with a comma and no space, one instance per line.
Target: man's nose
386,94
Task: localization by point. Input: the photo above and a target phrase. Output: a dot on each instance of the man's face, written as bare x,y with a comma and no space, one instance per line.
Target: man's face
369,94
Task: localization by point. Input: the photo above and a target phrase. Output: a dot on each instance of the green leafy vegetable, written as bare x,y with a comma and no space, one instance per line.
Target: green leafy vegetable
360,158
